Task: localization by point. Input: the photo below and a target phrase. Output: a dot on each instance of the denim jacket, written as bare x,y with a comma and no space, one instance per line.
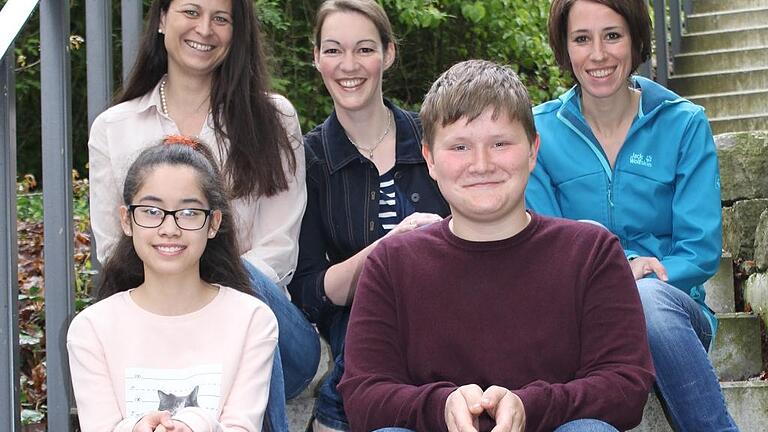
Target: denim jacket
343,202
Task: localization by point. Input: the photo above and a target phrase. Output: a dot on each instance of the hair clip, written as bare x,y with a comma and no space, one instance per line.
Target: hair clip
181,140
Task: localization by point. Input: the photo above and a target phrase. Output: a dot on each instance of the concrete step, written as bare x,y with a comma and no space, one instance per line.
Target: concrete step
747,403
299,409
726,20
718,60
733,104
707,6
740,123
736,353
725,39
730,80
720,293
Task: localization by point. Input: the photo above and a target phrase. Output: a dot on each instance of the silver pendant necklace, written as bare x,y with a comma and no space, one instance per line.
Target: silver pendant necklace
368,150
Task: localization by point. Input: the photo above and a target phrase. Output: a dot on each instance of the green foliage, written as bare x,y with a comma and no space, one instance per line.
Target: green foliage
32,288
433,34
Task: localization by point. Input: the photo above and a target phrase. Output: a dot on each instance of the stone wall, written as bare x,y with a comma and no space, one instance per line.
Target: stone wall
744,191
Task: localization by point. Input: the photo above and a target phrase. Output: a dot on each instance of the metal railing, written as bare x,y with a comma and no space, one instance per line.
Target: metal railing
666,48
56,132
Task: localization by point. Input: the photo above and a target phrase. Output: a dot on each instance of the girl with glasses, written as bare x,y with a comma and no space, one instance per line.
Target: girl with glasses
201,71
177,341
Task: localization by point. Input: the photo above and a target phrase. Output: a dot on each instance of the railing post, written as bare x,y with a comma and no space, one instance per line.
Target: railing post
9,300
660,32
645,68
675,24
132,19
57,205
98,50
98,34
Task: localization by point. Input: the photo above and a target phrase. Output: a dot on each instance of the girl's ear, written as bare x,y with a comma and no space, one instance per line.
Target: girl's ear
125,221
213,228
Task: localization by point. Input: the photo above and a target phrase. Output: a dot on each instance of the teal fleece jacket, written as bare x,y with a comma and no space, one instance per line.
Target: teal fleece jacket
661,197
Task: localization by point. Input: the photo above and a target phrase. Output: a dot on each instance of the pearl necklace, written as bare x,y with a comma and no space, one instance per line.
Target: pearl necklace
371,149
163,101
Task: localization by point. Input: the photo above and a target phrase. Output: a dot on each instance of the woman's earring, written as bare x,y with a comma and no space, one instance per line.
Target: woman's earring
159,30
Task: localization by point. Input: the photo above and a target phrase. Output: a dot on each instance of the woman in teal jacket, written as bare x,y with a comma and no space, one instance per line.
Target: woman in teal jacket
626,152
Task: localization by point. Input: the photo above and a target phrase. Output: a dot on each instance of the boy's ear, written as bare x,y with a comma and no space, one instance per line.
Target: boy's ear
534,152
125,221
429,158
215,224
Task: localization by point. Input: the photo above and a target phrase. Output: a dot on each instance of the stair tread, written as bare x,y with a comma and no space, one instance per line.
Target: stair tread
725,94
728,12
720,72
716,32
721,315
739,117
720,51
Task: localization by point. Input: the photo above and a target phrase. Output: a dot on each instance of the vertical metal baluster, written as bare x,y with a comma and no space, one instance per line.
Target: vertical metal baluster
9,303
57,205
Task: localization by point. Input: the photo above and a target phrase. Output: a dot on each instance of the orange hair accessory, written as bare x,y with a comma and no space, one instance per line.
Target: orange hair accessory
182,140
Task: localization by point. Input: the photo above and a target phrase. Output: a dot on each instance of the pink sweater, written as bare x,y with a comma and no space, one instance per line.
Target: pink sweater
217,359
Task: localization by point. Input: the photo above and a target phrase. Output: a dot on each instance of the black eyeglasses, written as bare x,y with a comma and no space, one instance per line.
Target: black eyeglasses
188,219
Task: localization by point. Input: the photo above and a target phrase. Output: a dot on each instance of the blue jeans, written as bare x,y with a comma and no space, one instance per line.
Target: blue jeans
679,335
298,349
329,407
582,425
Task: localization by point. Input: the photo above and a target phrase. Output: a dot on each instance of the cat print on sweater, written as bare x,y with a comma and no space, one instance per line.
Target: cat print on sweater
172,403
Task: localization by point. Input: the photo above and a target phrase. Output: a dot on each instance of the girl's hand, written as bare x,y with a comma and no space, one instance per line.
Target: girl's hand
414,221
153,419
176,427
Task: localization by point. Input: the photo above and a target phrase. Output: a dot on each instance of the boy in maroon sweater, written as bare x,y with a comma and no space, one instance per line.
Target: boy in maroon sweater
495,318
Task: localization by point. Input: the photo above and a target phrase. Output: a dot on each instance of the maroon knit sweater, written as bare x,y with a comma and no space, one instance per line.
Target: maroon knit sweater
551,313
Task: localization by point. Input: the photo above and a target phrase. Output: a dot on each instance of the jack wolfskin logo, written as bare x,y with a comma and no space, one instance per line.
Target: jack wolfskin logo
642,160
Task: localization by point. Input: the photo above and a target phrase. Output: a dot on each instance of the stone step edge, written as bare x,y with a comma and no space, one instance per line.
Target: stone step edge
727,12
739,117
723,32
725,315
720,51
726,94
739,384
720,72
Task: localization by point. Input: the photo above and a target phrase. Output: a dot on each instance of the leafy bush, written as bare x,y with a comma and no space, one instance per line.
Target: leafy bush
32,288
434,34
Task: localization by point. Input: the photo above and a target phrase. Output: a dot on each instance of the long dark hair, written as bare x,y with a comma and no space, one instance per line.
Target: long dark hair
242,109
219,263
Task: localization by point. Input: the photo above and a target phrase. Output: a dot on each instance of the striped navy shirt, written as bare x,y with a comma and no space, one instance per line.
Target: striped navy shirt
390,207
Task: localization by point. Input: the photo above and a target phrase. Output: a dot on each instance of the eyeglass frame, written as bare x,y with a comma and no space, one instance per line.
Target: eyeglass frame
166,213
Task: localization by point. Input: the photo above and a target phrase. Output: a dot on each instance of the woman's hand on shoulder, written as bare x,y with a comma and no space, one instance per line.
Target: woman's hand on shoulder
414,221
643,266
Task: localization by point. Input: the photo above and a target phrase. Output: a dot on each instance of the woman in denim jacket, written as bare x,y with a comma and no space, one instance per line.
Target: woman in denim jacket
366,178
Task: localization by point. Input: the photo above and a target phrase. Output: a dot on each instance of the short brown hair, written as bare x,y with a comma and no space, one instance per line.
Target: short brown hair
635,12
469,88
367,8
